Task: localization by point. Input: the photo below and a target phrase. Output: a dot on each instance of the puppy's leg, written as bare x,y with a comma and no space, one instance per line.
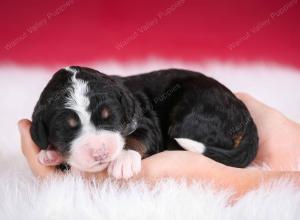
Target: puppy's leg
126,165
221,123
50,157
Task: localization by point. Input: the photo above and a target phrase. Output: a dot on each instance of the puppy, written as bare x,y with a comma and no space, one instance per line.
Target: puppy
93,121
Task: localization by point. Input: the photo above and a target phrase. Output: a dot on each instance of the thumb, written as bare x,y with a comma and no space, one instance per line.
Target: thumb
29,148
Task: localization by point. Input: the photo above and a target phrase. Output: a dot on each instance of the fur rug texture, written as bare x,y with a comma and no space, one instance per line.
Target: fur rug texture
24,197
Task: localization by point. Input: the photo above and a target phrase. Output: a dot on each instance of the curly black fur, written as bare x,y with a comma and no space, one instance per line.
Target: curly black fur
153,108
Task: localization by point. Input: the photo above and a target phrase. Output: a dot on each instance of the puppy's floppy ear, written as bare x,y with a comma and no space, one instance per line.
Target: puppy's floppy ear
38,133
131,111
131,126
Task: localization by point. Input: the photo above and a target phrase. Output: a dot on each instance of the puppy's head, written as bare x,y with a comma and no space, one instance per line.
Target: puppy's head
85,115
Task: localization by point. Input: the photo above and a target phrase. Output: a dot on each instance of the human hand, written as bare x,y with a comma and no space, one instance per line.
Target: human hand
31,151
279,137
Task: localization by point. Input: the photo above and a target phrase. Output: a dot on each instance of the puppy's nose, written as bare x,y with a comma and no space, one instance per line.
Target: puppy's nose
100,154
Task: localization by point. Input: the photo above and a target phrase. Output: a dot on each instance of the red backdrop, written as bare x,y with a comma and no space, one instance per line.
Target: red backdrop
64,32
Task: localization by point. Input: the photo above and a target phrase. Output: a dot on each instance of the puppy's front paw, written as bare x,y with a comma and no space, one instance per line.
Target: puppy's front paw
127,164
50,157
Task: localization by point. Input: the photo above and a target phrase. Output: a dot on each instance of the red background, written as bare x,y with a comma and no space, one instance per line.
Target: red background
89,31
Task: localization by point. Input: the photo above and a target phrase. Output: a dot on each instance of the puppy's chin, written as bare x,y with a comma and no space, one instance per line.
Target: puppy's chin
84,164
91,169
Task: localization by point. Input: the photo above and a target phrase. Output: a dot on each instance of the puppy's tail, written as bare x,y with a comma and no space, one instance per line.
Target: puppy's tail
240,156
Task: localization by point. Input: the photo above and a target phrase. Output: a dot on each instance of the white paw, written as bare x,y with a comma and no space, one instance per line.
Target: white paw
49,157
126,165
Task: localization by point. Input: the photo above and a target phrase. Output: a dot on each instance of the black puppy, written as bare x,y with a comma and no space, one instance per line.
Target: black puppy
93,121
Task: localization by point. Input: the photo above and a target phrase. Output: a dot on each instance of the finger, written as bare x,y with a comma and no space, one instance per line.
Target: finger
31,150
256,107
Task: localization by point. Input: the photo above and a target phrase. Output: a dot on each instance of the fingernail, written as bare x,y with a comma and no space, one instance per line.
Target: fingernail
21,124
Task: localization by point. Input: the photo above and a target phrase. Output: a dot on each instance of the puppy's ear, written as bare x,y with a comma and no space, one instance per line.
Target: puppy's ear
131,126
38,133
131,112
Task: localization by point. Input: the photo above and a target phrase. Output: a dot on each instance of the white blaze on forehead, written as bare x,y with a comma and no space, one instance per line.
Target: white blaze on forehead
78,100
70,69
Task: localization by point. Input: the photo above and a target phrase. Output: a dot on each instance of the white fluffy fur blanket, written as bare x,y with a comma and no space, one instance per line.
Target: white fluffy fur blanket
23,197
